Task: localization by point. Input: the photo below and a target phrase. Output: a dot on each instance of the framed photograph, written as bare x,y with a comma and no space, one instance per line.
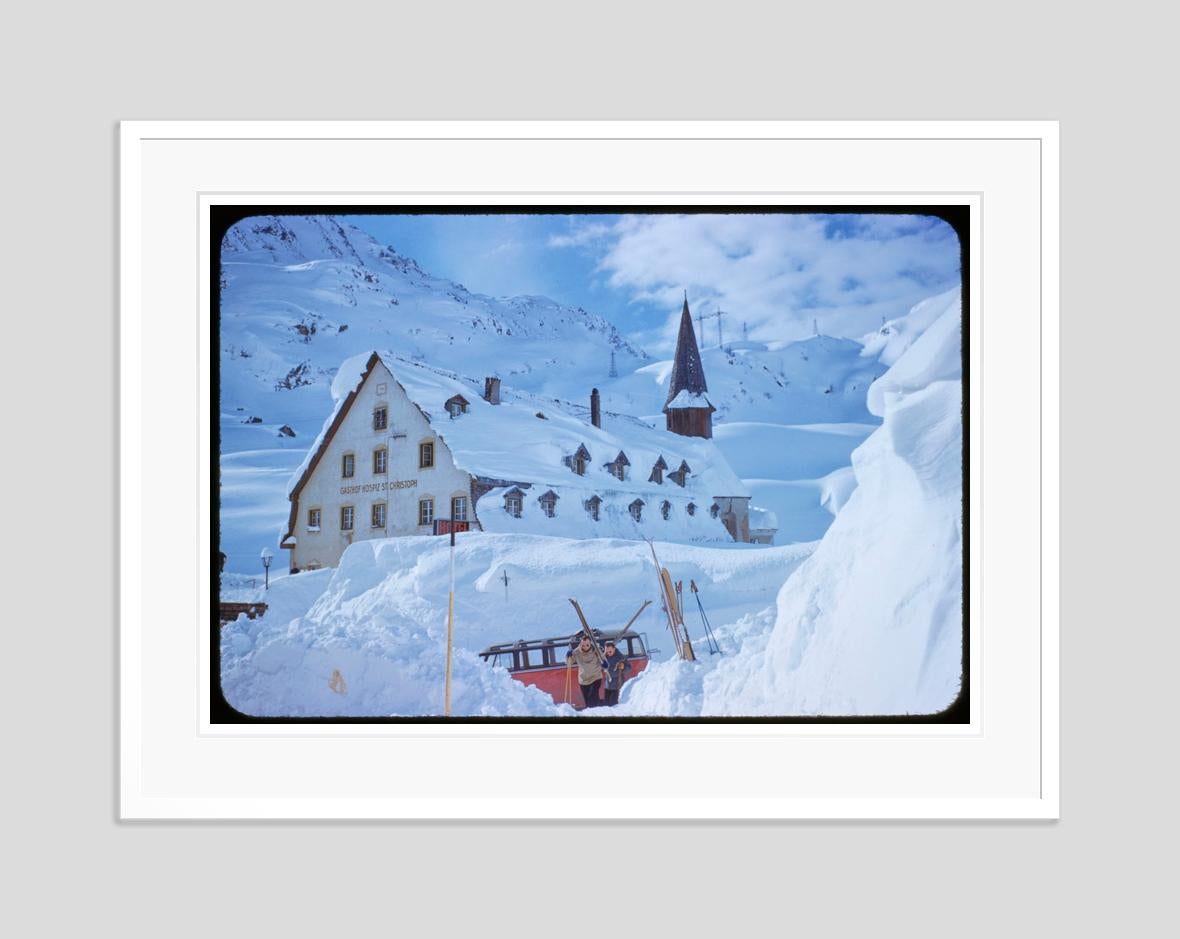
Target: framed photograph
722,455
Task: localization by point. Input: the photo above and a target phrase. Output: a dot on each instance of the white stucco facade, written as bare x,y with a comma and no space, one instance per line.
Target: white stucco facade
410,491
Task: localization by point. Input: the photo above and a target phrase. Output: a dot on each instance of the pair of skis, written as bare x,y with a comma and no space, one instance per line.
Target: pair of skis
589,633
672,609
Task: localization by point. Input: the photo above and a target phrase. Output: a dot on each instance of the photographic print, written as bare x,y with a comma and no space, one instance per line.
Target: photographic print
589,463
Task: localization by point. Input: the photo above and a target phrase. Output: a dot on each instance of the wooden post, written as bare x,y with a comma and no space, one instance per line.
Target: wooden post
450,629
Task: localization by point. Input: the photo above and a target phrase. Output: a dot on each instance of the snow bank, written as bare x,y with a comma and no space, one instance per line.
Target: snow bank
380,618
871,623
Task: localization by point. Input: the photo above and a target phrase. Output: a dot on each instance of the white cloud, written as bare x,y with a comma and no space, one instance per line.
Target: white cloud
774,272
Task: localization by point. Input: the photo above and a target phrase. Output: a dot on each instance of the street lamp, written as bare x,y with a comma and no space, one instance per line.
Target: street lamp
267,557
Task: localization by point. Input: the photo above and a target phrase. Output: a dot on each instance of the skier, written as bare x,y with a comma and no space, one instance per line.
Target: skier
614,663
586,657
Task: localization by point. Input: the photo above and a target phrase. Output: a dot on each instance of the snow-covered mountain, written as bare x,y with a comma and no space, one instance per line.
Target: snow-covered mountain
300,294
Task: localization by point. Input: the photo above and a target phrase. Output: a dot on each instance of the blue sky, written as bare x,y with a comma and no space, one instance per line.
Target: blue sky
776,273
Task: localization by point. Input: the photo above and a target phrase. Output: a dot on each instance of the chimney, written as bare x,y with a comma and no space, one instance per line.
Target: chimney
491,390
595,408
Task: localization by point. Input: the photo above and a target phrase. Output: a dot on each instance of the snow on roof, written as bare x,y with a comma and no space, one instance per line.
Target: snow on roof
762,519
687,399
508,442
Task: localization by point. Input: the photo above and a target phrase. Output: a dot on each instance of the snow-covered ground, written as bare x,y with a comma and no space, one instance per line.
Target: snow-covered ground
380,618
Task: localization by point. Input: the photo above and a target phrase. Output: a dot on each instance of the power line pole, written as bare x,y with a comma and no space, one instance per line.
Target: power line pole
614,372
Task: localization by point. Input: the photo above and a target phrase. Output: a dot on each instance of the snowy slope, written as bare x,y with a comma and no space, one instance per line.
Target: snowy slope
300,294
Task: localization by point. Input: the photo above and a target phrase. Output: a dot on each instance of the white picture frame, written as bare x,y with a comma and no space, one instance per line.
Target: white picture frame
175,764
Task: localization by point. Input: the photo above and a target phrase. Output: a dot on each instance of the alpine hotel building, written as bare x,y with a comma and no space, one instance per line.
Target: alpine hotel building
406,444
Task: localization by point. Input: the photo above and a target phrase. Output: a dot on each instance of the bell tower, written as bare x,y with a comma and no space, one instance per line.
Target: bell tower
687,410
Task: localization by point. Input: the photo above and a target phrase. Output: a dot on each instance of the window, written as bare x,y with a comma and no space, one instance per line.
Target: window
513,504
714,510
313,519
665,509
549,504
636,510
425,511
346,517
454,408
618,470
378,514
579,466
348,466
380,418
691,508
459,508
425,455
657,472
380,460
592,506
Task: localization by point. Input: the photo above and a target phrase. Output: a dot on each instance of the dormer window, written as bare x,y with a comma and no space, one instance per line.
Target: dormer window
592,505
665,509
549,503
514,502
618,466
691,508
657,472
680,475
580,460
714,510
636,510
380,418
456,405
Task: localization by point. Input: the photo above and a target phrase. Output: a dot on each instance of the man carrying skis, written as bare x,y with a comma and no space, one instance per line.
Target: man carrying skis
586,657
614,663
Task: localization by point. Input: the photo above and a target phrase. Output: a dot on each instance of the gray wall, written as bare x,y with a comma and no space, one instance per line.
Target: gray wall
71,74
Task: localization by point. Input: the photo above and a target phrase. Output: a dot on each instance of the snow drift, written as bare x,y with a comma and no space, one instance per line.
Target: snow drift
379,618
871,623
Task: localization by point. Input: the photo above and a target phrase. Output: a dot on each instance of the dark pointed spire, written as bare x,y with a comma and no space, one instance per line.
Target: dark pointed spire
687,372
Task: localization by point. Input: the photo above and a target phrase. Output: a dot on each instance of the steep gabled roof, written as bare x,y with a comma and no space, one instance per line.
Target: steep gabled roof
687,372
660,464
312,460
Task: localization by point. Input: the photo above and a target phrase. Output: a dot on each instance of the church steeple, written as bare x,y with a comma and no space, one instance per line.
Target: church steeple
687,371
687,410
